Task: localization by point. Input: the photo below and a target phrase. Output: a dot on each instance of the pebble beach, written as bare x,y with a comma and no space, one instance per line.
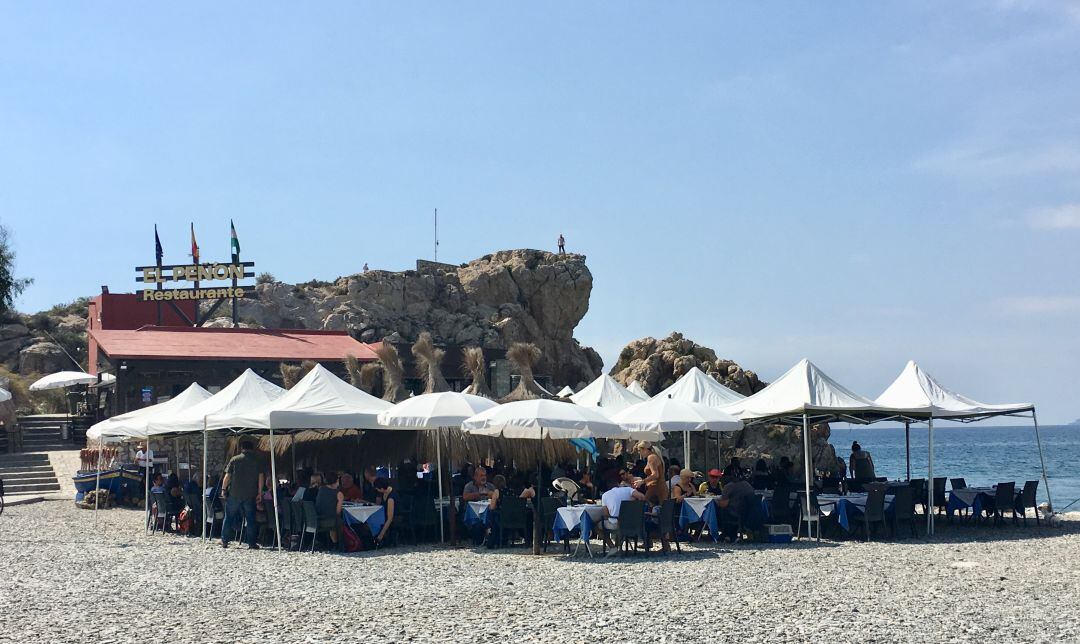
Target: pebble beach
68,577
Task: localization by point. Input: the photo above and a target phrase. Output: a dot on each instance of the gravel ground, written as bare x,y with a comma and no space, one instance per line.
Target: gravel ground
66,577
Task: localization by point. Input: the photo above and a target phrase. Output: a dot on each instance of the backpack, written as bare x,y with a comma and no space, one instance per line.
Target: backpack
350,540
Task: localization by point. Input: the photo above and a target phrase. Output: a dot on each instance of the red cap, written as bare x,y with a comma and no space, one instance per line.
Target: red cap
714,472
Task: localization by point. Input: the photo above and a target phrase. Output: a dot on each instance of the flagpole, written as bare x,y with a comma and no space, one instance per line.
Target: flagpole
157,257
234,245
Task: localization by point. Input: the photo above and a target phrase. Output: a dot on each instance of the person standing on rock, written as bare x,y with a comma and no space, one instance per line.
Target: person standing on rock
243,480
562,244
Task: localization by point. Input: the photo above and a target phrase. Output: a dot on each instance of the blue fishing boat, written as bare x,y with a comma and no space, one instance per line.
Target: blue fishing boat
122,484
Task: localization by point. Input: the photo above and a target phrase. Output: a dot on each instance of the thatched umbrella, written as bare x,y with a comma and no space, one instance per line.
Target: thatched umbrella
473,363
292,373
429,363
393,373
524,355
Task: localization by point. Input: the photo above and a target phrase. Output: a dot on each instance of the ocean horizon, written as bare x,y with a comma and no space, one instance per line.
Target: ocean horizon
981,454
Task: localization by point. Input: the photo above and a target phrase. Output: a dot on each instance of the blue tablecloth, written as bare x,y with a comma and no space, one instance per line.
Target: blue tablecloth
476,513
374,516
970,497
849,507
699,509
568,519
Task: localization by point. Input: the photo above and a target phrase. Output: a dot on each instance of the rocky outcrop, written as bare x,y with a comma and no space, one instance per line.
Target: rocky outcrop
656,364
494,301
43,357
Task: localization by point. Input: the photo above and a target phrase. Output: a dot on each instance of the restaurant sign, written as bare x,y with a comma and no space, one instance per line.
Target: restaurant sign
193,277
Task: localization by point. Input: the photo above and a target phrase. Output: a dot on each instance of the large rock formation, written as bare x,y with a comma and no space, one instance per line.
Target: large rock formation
656,364
494,301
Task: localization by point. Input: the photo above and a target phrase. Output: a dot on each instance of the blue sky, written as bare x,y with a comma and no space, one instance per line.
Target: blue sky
857,183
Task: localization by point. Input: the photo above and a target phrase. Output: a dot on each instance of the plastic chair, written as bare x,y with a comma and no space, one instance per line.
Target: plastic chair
424,514
918,493
511,516
940,501
549,507
808,515
668,523
161,511
780,507
1004,500
632,525
1027,499
958,484
311,523
903,508
874,512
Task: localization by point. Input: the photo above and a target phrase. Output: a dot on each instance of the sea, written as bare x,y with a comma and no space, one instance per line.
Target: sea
981,454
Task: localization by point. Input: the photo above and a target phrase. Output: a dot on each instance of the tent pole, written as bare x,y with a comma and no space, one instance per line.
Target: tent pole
537,530
438,459
907,446
273,489
1042,460
686,449
146,481
806,473
929,476
204,497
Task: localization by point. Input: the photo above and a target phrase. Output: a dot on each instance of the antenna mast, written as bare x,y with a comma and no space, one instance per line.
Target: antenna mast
436,234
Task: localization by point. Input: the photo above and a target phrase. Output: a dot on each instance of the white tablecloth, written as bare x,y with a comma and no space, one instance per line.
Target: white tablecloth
361,512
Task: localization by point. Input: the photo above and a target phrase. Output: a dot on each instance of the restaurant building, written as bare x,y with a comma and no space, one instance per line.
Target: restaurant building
154,362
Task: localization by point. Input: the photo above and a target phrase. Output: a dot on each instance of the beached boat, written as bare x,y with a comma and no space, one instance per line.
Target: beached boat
122,484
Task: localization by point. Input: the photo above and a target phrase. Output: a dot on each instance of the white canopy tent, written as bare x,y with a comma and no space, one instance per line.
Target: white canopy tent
637,390
540,419
651,419
434,412
320,400
606,396
248,392
806,394
133,424
928,399
62,379
698,387
565,392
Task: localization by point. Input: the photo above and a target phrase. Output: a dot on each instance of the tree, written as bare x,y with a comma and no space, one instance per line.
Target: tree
10,286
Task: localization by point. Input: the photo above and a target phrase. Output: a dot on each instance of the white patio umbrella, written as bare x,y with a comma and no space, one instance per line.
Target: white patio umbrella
62,379
540,419
434,412
663,415
5,395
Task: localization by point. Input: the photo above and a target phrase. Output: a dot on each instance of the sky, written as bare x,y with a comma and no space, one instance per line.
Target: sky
856,183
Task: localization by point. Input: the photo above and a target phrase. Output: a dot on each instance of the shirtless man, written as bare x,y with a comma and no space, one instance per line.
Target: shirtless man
656,489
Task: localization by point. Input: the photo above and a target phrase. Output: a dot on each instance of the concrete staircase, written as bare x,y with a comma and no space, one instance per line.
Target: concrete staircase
27,474
42,434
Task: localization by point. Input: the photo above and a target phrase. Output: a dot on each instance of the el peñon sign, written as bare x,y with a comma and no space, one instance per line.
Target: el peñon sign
194,274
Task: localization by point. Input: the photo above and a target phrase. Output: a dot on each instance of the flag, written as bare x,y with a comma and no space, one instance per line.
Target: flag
157,246
194,246
235,243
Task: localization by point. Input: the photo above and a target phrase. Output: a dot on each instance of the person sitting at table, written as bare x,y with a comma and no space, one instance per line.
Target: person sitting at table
711,486
588,488
861,465
389,499
476,490
327,501
673,471
734,468
685,486
762,479
349,490
314,483
157,484
612,501
785,473
732,503
367,486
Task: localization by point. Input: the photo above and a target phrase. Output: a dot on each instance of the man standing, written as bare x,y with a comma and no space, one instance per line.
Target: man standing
242,483
562,244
